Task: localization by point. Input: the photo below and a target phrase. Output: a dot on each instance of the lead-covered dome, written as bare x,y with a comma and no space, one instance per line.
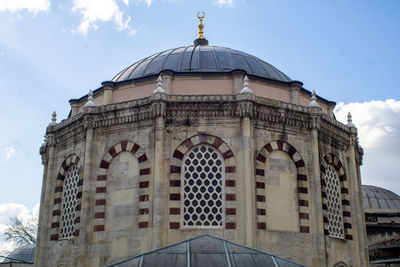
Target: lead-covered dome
377,199
201,59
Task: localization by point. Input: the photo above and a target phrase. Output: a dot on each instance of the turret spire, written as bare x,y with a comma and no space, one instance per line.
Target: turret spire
90,102
159,88
246,88
350,120
53,119
314,102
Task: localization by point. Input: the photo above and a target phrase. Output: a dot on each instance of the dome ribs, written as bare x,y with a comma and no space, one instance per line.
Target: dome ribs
200,59
149,60
377,198
166,58
191,57
215,58
134,68
245,60
180,58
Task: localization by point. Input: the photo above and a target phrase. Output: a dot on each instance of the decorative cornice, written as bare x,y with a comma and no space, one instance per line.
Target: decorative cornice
44,151
359,155
43,154
176,107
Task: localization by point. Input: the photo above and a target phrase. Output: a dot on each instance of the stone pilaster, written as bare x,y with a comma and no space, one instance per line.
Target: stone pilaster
247,171
248,177
84,235
167,81
159,181
237,77
331,107
74,108
295,87
317,224
359,238
47,153
108,88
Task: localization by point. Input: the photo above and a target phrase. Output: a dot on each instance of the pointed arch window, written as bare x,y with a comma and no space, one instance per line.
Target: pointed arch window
203,180
69,203
334,203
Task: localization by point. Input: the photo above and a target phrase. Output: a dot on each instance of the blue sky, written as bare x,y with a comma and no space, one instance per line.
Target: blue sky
52,51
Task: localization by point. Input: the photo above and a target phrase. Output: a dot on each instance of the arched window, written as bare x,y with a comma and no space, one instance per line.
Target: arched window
203,189
334,203
69,203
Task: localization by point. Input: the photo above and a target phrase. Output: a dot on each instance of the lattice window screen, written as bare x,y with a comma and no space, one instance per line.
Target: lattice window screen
203,188
334,203
69,202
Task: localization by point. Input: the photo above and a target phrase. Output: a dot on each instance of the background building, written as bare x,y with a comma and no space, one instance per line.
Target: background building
201,140
382,215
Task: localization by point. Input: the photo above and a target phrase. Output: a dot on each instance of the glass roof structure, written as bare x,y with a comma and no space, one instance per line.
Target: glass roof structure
23,254
206,250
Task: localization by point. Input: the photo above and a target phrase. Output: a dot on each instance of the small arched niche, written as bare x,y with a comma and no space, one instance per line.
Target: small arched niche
281,192
122,195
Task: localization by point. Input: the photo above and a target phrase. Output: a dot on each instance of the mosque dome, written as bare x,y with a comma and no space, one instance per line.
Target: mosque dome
24,254
201,59
380,200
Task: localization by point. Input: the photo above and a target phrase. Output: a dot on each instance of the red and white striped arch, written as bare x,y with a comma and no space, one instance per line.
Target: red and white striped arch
101,184
175,178
302,184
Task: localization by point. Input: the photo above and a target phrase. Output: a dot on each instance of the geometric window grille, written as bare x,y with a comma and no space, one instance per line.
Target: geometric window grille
69,202
203,190
334,203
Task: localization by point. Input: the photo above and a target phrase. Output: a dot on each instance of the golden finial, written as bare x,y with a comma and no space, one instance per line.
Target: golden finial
200,40
200,16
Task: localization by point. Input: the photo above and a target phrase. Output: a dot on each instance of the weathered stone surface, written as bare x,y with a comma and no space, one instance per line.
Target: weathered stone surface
125,138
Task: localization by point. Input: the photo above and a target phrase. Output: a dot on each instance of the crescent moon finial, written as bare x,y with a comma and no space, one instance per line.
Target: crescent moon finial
200,39
201,15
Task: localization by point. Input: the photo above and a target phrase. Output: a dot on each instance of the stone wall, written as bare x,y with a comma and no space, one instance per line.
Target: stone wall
130,161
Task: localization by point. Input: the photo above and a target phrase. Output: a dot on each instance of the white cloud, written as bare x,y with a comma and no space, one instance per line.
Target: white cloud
224,2
378,124
375,120
94,11
9,211
33,6
149,2
11,152
60,7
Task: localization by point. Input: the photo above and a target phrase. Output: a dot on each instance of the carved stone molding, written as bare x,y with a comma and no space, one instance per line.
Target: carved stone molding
176,107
